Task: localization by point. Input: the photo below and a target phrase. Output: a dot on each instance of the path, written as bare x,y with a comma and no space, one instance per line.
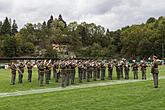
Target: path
47,90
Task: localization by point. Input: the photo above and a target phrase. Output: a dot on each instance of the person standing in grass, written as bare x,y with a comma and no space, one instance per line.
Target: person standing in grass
63,73
47,68
118,69
56,71
155,71
13,68
103,67
68,71
29,67
143,66
80,71
72,74
38,64
135,69
95,71
126,69
110,70
41,68
98,70
20,71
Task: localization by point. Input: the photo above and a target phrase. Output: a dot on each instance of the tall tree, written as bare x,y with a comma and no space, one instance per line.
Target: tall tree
6,27
14,28
61,19
0,27
50,22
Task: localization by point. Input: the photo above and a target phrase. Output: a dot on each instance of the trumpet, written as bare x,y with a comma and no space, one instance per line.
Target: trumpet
49,62
18,68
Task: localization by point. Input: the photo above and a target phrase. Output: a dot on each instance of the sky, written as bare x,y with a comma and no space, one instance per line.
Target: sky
112,14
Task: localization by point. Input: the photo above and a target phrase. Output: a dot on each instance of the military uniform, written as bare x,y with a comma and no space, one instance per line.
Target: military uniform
68,71
88,71
155,72
29,67
72,74
49,74
135,70
20,72
13,73
118,70
95,71
47,70
143,66
38,70
91,70
41,68
103,67
63,74
121,73
55,71
110,70
98,70
80,72
84,70
126,70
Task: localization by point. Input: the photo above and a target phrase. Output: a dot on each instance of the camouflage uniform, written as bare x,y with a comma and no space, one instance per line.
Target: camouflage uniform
91,70
38,70
84,70
118,70
121,73
88,72
29,67
41,68
20,71
103,67
68,71
55,72
47,73
94,71
80,72
13,73
63,74
143,69
98,70
126,70
135,70
73,66
110,70
155,72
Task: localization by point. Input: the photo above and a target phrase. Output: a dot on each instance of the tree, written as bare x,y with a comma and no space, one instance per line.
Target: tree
61,19
10,47
14,28
28,48
0,27
151,20
6,27
50,22
50,52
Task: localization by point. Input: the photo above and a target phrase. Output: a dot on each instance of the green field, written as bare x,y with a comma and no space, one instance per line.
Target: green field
131,96
5,77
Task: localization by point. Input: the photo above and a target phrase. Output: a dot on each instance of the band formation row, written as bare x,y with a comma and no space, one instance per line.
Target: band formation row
65,71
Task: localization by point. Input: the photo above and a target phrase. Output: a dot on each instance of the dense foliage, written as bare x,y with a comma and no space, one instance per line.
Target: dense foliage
84,40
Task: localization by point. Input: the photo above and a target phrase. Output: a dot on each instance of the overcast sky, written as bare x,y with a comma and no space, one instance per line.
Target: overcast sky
112,14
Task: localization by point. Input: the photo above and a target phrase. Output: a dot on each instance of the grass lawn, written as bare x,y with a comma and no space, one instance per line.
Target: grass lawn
132,96
6,87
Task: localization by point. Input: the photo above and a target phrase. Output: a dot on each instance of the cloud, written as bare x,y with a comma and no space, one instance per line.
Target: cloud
112,14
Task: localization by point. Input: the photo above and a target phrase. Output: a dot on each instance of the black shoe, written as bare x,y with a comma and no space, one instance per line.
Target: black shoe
155,86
